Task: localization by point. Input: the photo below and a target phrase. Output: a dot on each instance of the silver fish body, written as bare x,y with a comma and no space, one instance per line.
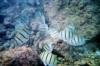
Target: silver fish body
71,37
20,36
48,59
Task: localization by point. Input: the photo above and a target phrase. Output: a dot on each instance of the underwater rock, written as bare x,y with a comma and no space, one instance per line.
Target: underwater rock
20,56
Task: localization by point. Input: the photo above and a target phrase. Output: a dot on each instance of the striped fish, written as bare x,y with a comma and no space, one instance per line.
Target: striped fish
22,34
20,37
47,47
70,35
50,57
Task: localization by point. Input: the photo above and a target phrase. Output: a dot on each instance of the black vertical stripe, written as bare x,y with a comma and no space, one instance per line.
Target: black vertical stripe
61,34
68,34
22,35
55,59
25,26
65,34
78,39
46,57
50,59
16,41
71,41
25,31
71,37
45,47
43,55
71,34
74,41
19,39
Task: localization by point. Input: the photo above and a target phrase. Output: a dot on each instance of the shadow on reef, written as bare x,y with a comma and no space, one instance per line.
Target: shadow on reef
96,40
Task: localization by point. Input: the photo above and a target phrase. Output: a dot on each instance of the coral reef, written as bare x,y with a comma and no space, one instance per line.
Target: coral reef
42,15
21,56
